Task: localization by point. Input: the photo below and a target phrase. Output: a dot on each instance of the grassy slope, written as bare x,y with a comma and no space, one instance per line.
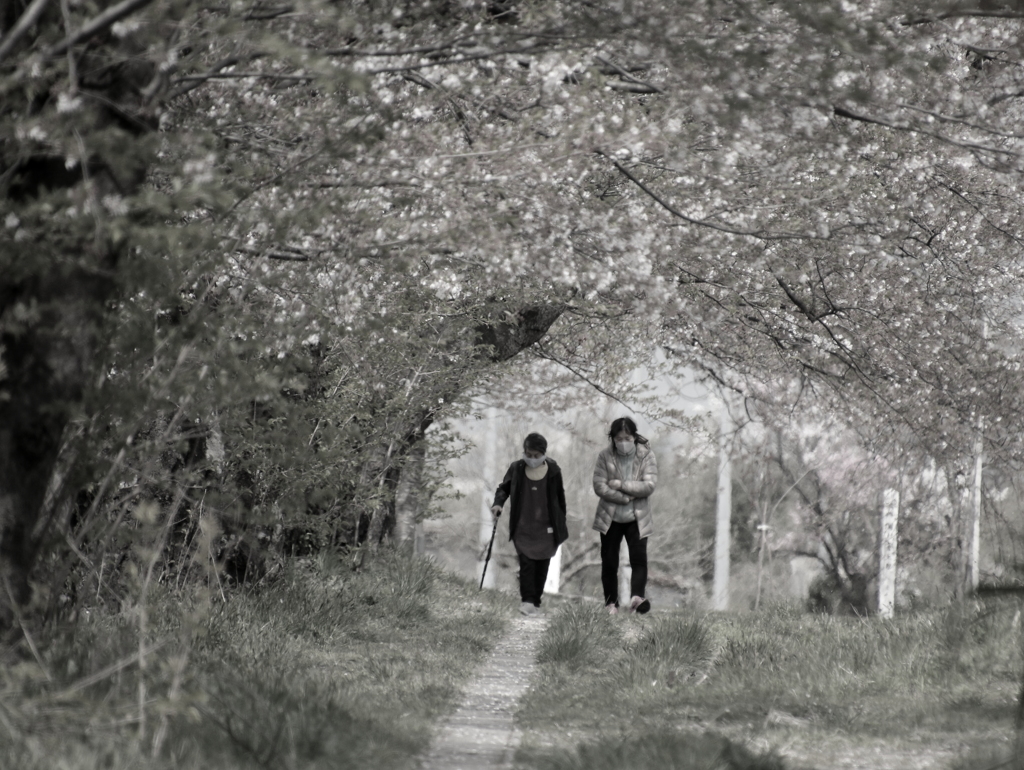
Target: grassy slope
325,668
328,668
816,691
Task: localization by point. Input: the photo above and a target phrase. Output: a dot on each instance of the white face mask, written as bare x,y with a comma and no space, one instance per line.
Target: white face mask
535,462
624,447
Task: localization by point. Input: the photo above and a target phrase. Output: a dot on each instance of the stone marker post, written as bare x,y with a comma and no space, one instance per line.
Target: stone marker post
887,553
723,518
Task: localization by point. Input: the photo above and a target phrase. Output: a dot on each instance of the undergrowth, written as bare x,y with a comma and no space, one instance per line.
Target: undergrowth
324,668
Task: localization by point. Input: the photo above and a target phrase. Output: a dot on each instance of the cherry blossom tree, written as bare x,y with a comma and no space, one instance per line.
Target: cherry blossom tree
307,229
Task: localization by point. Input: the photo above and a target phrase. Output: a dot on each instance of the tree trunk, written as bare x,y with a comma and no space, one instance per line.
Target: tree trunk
56,285
409,495
959,493
49,363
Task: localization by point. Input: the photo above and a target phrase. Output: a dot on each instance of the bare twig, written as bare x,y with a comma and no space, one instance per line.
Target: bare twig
13,604
959,13
107,672
241,76
283,256
633,88
415,77
158,548
633,83
960,121
101,22
421,50
198,80
274,179
28,18
270,13
72,69
461,60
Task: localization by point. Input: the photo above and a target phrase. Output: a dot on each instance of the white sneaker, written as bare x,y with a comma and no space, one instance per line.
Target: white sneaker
525,608
612,609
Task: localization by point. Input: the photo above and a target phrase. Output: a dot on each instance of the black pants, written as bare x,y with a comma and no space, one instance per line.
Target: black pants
611,541
532,574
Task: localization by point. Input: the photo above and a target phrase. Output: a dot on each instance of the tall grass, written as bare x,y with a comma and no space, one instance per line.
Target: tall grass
670,649
775,677
594,667
579,635
658,751
324,668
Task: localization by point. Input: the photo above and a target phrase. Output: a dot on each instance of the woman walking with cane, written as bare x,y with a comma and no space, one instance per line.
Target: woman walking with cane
536,519
625,475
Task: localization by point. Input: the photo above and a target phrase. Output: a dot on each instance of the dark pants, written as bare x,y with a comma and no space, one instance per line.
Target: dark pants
532,574
610,544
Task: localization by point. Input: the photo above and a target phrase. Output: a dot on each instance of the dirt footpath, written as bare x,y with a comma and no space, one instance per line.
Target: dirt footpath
481,734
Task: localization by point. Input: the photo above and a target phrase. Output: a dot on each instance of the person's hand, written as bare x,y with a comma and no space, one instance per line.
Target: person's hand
496,511
614,484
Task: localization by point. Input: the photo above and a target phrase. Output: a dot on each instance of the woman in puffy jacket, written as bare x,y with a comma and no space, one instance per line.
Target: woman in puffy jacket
625,475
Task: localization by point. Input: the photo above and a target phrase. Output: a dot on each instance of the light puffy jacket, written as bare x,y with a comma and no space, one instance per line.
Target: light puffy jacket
638,489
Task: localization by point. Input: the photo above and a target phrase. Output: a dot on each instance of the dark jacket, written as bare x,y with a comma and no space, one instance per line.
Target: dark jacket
512,483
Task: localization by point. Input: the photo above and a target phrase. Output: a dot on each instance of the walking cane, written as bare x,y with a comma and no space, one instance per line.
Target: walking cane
488,557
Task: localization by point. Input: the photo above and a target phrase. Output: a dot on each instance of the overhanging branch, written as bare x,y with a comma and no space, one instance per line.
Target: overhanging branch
101,22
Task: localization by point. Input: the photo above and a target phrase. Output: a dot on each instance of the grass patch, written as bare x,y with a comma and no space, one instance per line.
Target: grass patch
655,751
325,668
578,636
778,679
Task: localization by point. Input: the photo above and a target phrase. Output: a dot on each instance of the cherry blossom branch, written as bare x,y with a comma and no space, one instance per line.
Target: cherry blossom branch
241,76
431,49
981,212
462,60
274,179
960,121
270,13
843,112
290,255
196,81
761,234
540,351
980,13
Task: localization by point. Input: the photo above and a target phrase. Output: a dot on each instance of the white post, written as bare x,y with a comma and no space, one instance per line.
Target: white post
554,579
490,483
887,553
975,557
625,576
723,519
